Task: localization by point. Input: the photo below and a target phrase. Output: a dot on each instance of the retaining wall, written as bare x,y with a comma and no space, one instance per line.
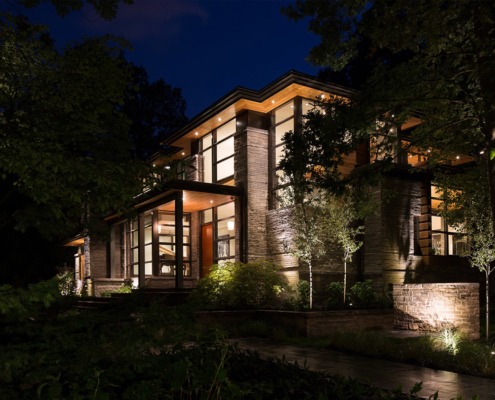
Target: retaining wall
432,307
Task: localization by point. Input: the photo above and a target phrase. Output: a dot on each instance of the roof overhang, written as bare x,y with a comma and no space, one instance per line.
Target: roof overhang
196,196
265,100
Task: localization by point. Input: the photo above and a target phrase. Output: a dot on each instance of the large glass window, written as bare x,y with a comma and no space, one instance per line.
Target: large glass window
282,121
159,242
445,239
223,219
167,243
225,233
217,151
134,245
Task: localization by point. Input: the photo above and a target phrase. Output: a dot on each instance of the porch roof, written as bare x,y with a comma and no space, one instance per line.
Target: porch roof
196,196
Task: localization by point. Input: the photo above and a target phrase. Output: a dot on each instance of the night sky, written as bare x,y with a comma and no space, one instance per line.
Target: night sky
205,47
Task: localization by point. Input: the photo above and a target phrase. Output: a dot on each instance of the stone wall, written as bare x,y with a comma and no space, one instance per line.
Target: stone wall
390,250
308,324
432,307
251,172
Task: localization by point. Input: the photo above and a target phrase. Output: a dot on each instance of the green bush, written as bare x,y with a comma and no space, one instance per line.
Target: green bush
21,303
335,295
237,285
298,297
362,294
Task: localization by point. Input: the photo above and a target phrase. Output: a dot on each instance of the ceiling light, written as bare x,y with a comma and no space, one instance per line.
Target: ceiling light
219,118
196,133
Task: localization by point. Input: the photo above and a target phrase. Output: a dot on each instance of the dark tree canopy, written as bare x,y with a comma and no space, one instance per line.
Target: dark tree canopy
155,109
430,58
64,144
107,9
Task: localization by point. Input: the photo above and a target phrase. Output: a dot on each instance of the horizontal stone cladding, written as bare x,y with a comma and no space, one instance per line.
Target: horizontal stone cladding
280,242
433,307
308,324
98,259
390,239
251,172
102,286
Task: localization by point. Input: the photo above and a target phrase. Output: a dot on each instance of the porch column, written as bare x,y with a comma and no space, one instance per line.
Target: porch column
179,235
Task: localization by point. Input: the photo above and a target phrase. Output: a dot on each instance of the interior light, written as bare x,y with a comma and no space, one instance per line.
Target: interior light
230,225
211,201
196,133
457,157
429,151
167,166
273,101
154,165
482,152
183,153
219,118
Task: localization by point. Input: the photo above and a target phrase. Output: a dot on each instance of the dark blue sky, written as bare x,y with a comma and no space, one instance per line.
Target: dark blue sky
204,47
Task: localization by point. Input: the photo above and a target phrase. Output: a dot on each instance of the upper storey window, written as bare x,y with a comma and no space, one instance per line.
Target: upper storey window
217,154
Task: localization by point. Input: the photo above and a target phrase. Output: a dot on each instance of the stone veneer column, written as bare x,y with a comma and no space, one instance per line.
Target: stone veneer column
251,173
391,253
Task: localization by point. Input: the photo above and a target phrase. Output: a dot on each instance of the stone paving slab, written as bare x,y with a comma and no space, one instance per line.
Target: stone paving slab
381,373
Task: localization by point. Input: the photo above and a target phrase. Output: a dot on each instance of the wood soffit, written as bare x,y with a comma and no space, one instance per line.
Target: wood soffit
272,96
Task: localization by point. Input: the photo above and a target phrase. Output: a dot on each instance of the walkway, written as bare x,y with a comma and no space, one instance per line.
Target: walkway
384,374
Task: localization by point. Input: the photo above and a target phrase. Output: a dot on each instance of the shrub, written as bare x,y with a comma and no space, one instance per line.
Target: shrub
298,297
240,286
362,294
335,295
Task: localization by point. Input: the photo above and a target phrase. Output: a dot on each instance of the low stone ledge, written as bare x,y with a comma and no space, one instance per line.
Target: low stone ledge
310,324
432,307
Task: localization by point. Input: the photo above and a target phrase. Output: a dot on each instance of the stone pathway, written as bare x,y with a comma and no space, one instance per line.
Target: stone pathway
385,374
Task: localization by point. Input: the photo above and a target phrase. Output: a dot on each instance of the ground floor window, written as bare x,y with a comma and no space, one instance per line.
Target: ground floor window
222,219
157,246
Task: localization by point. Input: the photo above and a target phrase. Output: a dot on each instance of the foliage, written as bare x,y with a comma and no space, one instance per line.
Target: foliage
433,59
22,303
363,294
450,339
467,205
360,295
155,109
147,351
297,297
65,147
335,295
472,357
124,288
237,285
321,219
66,282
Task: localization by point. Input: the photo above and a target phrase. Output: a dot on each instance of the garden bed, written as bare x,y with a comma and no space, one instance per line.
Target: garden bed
305,323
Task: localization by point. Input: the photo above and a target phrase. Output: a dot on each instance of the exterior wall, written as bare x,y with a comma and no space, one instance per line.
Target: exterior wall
329,268
251,172
436,306
391,253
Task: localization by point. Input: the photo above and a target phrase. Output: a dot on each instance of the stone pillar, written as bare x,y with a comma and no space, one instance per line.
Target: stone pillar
251,172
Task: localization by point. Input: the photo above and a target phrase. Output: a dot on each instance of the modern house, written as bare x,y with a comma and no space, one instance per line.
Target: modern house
223,205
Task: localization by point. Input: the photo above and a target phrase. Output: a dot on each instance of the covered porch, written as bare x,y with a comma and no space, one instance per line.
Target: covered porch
176,233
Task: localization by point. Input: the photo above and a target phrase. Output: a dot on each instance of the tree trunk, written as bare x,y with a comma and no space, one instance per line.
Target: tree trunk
310,266
345,279
487,298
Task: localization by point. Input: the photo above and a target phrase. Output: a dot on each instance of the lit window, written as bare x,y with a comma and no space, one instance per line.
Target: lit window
445,239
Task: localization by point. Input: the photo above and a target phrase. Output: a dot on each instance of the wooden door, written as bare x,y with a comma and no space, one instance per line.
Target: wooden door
206,249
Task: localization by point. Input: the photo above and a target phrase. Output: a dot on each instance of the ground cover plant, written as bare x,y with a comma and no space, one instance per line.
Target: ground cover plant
142,349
